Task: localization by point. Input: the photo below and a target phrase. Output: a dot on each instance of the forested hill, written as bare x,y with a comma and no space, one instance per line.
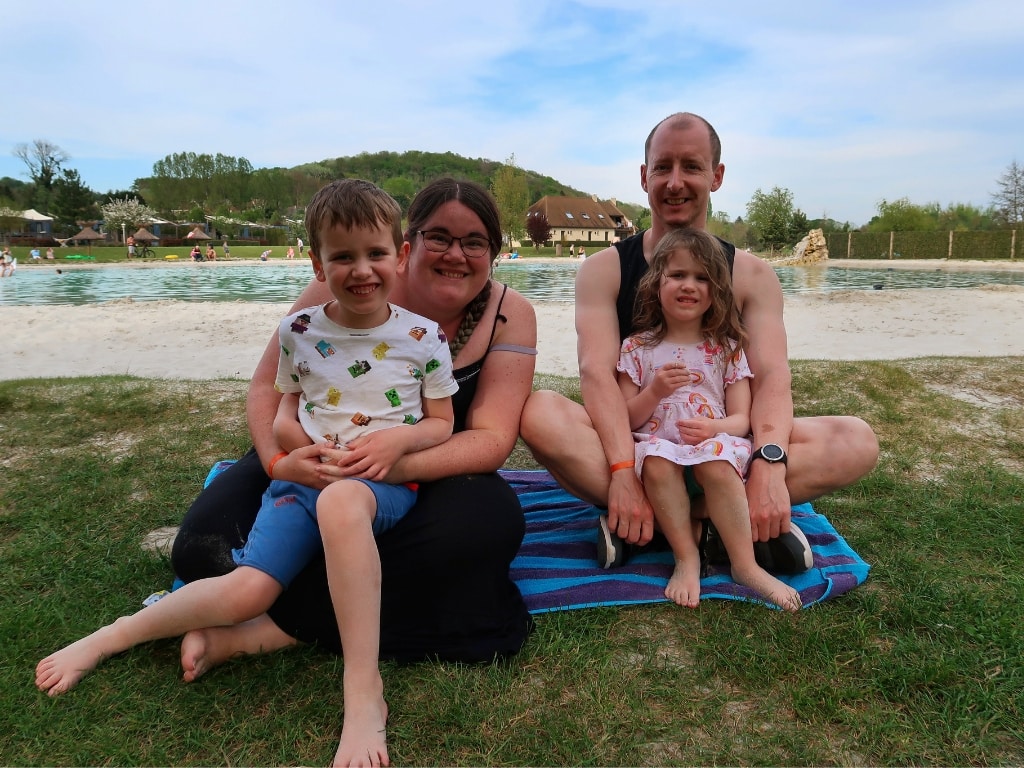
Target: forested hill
194,185
402,174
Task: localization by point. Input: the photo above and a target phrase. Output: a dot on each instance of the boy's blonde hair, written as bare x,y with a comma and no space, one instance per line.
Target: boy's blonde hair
352,203
721,322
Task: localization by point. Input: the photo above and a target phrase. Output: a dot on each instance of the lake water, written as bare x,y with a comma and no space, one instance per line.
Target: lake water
277,282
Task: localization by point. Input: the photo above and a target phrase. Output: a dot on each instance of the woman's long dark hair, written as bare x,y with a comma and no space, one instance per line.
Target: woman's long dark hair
721,323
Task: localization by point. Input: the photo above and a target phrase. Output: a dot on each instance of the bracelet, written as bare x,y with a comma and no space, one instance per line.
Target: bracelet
273,461
622,465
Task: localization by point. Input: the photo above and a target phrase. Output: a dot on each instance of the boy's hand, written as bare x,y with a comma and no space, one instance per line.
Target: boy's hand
669,378
369,457
694,431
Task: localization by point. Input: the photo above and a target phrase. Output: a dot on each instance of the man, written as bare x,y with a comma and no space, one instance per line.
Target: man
796,460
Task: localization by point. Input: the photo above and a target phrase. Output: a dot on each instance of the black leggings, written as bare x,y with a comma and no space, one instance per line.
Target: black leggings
445,591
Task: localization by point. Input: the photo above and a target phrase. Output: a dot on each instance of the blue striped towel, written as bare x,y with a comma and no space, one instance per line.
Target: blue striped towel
556,568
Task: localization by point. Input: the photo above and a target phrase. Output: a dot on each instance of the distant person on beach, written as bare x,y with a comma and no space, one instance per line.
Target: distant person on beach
685,379
211,254
795,459
35,254
130,242
6,263
301,246
196,254
397,404
290,253
265,255
49,253
227,250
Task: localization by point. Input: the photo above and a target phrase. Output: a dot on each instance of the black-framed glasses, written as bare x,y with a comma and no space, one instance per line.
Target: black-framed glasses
474,246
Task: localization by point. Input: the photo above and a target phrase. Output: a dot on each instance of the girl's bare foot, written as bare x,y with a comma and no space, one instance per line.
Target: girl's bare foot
769,587
204,649
363,733
684,585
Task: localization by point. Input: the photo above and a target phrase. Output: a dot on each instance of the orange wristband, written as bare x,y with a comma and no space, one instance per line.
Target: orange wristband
622,465
273,461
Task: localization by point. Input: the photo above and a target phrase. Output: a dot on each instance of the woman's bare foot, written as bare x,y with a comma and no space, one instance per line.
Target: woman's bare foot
204,649
61,671
363,733
769,587
684,585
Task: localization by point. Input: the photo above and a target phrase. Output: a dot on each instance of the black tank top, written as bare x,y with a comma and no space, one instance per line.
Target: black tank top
633,266
468,375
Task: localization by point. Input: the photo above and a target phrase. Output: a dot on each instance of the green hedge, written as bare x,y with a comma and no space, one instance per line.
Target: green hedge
924,245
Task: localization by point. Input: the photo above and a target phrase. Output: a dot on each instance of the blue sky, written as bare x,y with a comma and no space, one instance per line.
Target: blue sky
844,104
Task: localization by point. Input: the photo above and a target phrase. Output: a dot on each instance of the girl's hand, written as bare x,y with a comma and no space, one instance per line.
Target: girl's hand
697,430
669,378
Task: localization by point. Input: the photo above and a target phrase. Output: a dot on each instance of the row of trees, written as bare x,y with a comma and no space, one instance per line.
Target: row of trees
190,186
773,221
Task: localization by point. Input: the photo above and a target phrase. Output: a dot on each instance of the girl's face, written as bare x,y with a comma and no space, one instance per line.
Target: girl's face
685,291
450,278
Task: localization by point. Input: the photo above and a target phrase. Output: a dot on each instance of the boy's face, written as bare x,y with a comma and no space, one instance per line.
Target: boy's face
359,266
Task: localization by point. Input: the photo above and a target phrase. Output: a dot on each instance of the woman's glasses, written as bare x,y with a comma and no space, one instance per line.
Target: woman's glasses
473,246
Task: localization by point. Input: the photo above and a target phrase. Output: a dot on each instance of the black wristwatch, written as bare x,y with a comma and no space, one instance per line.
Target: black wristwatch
770,452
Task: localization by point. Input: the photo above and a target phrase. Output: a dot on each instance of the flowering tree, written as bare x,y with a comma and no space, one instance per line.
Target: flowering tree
126,212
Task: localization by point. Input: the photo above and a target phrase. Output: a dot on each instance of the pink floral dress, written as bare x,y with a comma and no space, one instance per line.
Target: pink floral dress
710,373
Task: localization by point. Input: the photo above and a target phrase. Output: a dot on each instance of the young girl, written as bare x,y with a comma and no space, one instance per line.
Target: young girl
686,382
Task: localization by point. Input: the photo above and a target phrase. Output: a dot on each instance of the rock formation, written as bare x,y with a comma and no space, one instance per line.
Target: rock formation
813,249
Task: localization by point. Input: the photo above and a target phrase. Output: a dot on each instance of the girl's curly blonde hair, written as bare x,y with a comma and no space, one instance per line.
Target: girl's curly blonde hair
721,323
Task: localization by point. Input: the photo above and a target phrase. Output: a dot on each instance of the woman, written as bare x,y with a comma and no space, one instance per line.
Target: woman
446,591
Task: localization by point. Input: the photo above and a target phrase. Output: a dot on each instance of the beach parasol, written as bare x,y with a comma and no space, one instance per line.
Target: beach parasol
198,234
88,234
145,236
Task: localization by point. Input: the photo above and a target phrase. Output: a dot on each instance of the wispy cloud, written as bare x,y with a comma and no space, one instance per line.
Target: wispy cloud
844,104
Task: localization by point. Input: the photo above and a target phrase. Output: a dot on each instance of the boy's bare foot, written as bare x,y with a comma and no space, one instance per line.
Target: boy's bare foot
363,738
61,671
684,585
769,587
204,649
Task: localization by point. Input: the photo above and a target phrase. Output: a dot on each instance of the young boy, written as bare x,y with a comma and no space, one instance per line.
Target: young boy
350,369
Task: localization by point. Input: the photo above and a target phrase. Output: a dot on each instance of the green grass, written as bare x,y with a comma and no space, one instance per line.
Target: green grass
920,665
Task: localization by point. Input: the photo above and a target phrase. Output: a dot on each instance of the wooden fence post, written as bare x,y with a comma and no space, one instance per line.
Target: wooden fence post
949,253
892,237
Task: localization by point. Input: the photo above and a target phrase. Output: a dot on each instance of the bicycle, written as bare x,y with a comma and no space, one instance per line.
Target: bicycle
143,251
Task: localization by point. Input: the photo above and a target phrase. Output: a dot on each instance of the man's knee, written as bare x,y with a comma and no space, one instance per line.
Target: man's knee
541,414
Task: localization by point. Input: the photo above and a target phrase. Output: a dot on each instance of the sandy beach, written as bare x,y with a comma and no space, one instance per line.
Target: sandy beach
187,340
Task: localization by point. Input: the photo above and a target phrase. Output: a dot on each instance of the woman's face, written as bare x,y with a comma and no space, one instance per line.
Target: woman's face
448,278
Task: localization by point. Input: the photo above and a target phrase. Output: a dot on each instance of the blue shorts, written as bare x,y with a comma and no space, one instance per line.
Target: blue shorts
286,535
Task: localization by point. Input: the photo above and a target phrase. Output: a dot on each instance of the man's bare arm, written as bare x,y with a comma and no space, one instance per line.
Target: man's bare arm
597,331
759,296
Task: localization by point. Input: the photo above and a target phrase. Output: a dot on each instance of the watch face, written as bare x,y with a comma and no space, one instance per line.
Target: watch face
772,452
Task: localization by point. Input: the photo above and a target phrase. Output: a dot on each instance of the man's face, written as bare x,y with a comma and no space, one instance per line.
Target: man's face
679,175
